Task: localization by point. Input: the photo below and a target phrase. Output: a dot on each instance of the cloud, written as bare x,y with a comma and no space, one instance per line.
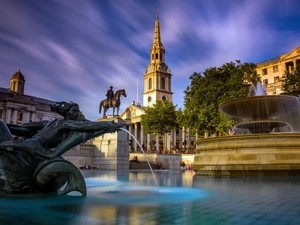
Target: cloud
74,50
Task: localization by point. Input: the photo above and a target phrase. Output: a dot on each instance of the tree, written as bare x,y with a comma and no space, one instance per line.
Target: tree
205,93
160,119
291,82
81,117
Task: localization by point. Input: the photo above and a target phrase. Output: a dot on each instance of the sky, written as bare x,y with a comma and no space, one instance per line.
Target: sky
74,50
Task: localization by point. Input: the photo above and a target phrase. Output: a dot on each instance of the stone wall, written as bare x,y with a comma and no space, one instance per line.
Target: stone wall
168,161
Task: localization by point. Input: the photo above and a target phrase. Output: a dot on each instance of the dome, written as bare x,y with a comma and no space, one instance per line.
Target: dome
18,75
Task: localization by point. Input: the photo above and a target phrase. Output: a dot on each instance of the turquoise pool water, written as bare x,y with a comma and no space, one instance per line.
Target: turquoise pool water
125,197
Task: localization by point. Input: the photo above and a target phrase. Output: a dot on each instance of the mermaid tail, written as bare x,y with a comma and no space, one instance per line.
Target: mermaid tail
52,175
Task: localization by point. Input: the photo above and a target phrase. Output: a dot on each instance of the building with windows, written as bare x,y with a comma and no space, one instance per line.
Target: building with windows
18,108
272,71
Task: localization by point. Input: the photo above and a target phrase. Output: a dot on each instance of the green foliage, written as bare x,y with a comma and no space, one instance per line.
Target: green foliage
160,119
81,117
205,93
291,83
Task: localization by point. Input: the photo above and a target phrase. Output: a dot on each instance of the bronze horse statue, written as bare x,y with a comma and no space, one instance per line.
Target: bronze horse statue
116,102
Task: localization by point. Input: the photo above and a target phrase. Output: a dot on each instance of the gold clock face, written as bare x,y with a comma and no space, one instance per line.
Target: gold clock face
164,98
149,99
150,68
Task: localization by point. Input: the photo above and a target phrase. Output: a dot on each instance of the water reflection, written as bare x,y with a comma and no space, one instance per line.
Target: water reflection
132,198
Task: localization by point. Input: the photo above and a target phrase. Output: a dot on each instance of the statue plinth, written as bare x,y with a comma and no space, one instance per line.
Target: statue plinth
112,149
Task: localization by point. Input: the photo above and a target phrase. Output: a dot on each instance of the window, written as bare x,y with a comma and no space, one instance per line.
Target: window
150,84
276,79
275,69
265,81
156,56
265,71
163,83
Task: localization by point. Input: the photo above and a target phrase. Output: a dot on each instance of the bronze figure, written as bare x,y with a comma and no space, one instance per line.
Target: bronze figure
113,102
32,162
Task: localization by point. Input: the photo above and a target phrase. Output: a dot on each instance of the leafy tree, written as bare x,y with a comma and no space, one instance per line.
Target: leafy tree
205,93
81,117
160,119
291,82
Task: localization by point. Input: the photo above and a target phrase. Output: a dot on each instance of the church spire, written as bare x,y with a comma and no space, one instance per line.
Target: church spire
157,39
157,52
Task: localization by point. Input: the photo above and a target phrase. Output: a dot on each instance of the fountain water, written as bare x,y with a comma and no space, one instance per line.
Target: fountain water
258,110
123,129
264,149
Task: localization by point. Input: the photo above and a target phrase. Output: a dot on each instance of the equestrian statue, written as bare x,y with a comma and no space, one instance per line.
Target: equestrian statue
112,101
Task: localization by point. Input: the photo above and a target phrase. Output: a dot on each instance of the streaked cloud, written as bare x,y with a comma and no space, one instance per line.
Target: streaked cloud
74,50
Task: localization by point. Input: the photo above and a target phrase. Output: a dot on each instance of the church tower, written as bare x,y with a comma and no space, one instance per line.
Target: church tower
157,77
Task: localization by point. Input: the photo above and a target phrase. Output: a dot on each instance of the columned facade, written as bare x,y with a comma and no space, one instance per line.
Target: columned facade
18,108
272,70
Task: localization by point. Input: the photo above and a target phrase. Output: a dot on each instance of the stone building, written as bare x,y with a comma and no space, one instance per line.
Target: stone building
272,70
157,86
17,107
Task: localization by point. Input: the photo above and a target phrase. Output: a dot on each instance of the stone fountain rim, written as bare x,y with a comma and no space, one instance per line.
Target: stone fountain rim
280,98
261,136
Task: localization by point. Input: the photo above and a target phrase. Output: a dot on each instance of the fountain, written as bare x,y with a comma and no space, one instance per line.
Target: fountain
128,197
262,150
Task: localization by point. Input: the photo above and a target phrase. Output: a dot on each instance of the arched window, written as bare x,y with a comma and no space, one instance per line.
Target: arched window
156,55
163,83
150,84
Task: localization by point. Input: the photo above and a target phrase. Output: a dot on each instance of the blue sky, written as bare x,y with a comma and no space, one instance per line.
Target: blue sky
73,50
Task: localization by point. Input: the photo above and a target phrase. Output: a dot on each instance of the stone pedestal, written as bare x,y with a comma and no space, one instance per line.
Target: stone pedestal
112,150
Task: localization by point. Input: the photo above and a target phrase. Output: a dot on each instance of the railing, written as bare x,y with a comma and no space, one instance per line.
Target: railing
86,147
266,62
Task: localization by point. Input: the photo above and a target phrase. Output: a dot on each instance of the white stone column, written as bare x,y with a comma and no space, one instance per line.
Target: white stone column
32,118
168,142
135,135
148,142
157,143
174,140
294,64
8,114
142,137
15,115
183,140
26,116
130,130
188,138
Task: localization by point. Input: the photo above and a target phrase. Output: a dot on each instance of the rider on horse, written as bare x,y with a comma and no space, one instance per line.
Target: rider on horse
110,94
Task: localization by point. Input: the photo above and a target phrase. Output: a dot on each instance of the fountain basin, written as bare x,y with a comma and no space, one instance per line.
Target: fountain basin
275,154
262,126
260,107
